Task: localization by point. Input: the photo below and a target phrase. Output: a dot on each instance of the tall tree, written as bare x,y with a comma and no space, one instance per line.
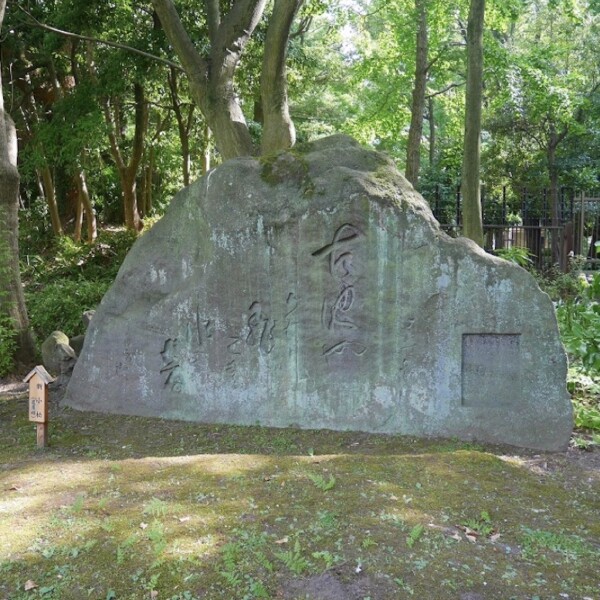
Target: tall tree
471,192
402,53
211,73
415,132
12,302
542,104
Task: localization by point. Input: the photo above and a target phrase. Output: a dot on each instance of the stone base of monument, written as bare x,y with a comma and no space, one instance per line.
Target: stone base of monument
315,289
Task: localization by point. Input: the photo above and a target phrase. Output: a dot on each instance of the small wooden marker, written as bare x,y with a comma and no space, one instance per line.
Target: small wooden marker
38,379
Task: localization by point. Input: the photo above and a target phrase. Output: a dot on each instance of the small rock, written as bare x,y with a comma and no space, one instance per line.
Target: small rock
87,317
57,355
76,343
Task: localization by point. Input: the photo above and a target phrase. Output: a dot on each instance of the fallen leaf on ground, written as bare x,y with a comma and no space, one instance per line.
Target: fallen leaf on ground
30,585
283,540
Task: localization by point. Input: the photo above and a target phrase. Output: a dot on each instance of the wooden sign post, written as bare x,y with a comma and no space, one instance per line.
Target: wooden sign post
38,380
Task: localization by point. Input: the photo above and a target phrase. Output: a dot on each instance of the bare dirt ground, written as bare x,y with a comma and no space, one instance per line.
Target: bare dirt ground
12,386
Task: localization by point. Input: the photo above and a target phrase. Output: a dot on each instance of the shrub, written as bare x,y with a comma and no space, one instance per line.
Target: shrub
60,305
8,344
579,322
68,278
578,317
516,254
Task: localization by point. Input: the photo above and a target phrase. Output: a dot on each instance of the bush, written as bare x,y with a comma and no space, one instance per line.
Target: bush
579,322
60,305
578,314
67,278
67,259
516,254
8,345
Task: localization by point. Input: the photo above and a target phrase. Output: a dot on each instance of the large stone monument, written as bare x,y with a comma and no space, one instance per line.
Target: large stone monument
315,289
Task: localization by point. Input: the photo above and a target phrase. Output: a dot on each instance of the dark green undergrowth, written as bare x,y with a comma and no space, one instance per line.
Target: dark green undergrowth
131,508
577,301
64,278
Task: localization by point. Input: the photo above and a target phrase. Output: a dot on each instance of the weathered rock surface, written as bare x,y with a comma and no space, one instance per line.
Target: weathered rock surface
317,290
57,355
76,343
87,317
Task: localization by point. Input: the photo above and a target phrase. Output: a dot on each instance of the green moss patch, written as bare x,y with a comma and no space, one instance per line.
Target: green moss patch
288,168
124,507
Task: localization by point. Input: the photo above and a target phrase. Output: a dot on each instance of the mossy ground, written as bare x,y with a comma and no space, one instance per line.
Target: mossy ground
123,507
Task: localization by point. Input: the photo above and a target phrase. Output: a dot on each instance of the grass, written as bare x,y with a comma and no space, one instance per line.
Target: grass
133,508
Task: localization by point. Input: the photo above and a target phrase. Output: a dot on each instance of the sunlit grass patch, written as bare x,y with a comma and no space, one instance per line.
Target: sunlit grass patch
197,511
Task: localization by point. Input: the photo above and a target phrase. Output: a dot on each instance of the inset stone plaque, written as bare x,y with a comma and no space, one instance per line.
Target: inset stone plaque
491,369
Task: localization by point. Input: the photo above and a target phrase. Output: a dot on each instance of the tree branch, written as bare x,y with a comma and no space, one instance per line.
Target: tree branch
94,40
234,32
194,65
303,27
213,18
446,89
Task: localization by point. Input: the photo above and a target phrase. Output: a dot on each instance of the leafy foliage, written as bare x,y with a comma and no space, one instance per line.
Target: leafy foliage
8,345
415,535
579,320
67,278
578,314
585,389
293,559
60,305
482,525
516,254
571,547
321,483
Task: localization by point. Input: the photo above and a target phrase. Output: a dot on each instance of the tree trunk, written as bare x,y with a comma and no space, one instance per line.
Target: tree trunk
128,171
415,133
50,195
206,150
554,197
183,125
227,122
12,301
147,176
86,205
130,205
432,139
186,158
78,214
211,79
278,128
471,194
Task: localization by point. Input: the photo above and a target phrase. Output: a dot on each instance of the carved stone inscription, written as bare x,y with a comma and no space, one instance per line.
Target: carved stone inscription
179,352
337,310
256,330
491,368
259,332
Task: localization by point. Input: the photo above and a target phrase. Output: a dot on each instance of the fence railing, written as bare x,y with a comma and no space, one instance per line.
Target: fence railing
550,230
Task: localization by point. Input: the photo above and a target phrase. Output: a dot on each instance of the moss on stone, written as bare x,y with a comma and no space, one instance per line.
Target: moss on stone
287,168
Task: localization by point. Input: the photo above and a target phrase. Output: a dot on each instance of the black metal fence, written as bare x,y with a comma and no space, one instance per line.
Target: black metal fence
524,218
